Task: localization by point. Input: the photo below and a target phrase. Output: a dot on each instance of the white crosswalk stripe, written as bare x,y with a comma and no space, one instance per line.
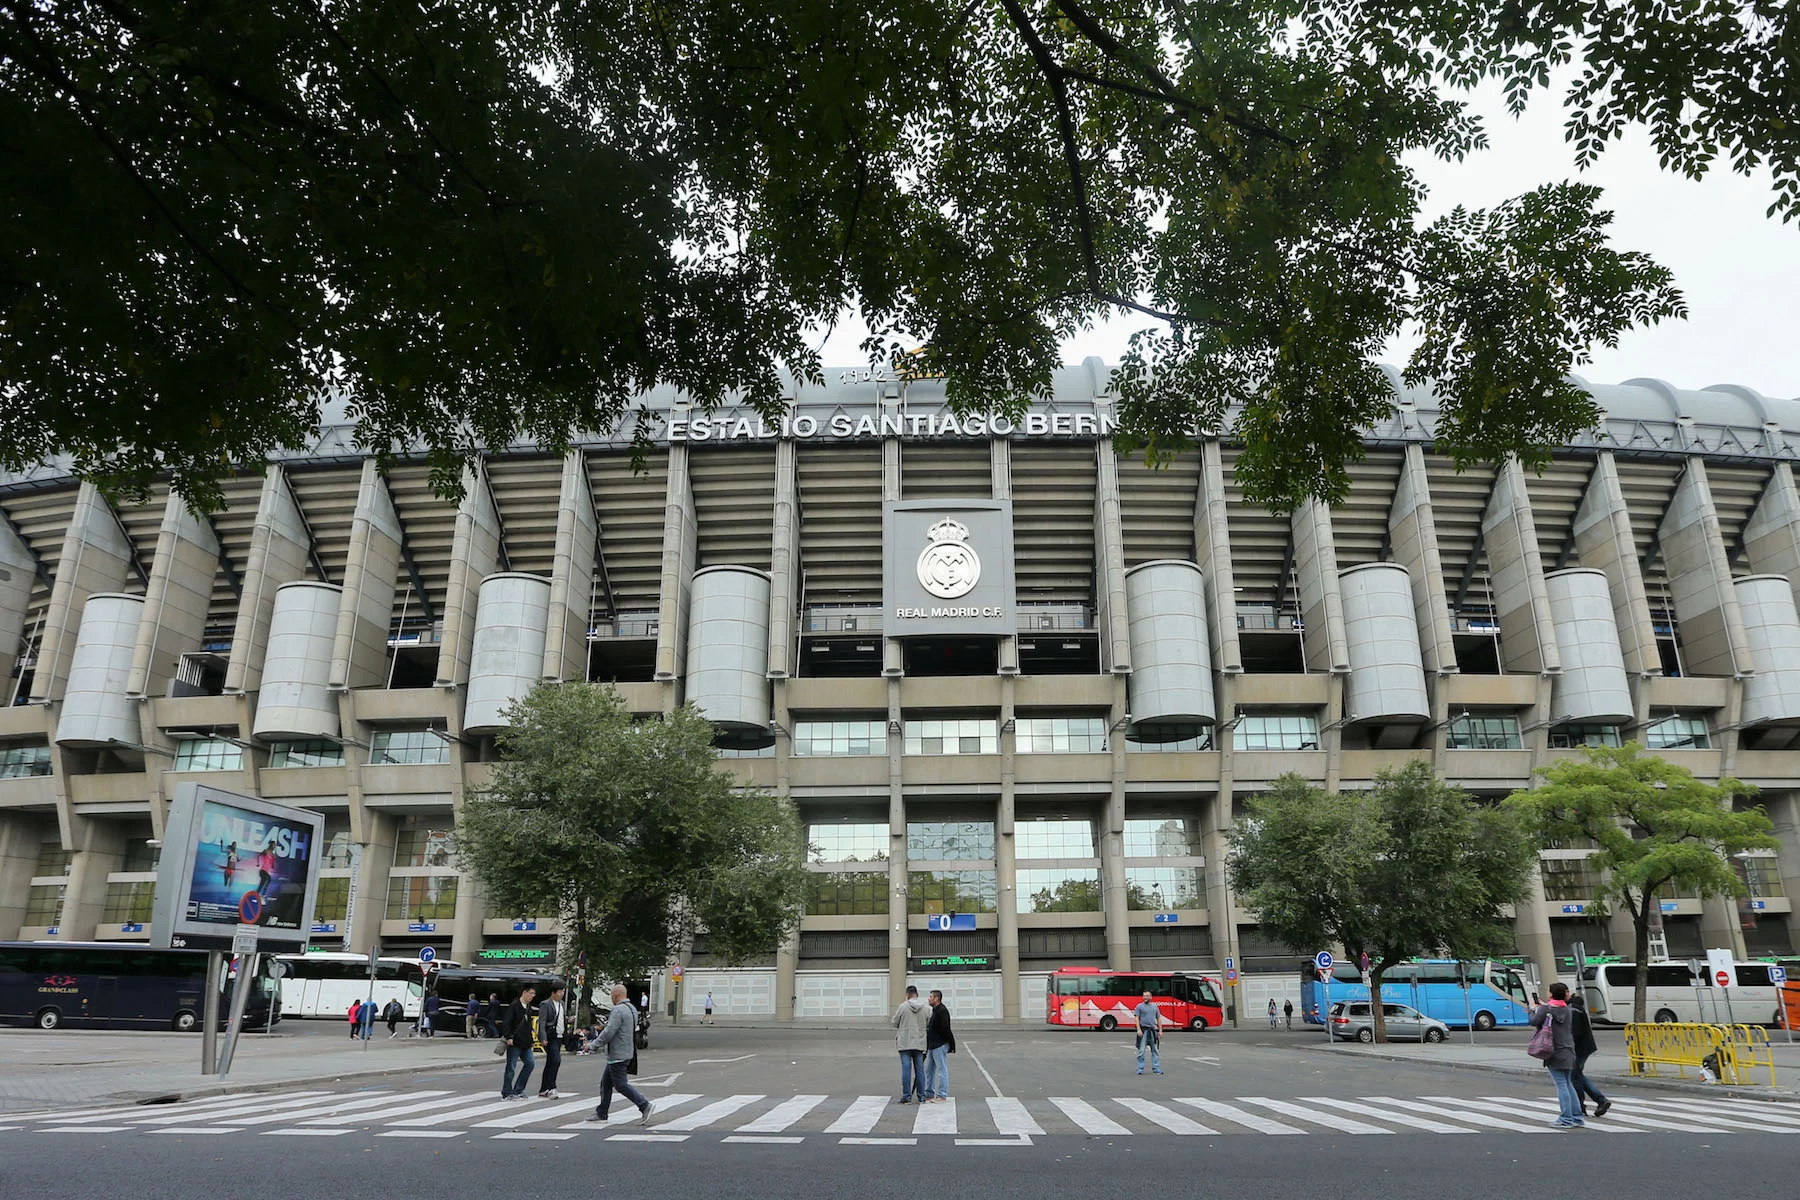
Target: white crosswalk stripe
878,1121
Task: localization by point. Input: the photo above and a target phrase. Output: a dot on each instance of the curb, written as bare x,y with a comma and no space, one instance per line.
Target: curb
1684,1087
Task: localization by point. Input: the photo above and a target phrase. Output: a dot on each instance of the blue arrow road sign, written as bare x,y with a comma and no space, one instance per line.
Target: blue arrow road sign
427,954
1322,960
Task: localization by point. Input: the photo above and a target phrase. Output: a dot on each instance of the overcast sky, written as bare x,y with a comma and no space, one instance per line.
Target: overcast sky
1739,269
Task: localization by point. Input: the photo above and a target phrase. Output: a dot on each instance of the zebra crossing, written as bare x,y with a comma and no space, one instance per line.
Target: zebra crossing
755,1119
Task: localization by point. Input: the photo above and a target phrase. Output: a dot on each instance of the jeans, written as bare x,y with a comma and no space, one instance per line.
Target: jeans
552,1064
937,1073
1152,1046
516,1055
1582,1086
1271,1018
618,1079
912,1074
1568,1100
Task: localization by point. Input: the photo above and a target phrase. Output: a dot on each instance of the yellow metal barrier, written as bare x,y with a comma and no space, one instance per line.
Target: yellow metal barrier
1737,1051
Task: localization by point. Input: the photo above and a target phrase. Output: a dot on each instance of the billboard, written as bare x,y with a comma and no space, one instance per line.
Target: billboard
230,861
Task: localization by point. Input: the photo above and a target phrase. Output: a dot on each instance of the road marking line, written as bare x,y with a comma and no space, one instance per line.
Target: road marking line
1168,1118
1021,1140
1631,1108
455,1114
1750,1119
985,1075
422,1133
85,1129
1231,1112
194,1130
1366,1110
694,1062
532,1116
878,1141
306,1132
783,1115
334,1107
1752,1109
1549,1108
861,1116
533,1137
214,1112
1087,1117
1209,1059
647,1137
1512,1111
386,1115
1011,1118
624,1114
661,1080
75,1116
936,1118
764,1139
700,1118
1485,1120
1330,1120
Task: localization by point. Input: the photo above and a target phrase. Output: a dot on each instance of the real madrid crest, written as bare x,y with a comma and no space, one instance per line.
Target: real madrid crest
949,566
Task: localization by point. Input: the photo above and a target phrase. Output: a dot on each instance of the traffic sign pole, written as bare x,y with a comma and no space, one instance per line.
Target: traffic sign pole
1322,960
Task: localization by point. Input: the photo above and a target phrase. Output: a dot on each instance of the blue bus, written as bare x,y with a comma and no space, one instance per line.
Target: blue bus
1495,995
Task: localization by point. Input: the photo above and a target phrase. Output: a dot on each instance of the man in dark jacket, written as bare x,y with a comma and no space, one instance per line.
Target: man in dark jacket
940,1043
516,1032
493,1014
1585,1048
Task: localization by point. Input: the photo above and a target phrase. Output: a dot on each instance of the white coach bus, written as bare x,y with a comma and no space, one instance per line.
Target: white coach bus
1672,996
325,985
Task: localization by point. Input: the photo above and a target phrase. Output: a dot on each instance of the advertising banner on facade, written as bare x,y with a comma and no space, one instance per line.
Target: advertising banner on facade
948,568
231,861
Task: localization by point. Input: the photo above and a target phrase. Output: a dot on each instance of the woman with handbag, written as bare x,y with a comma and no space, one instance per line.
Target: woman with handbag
1553,1044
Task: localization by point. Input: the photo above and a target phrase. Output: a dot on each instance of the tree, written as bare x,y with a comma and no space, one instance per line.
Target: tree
1071,895
474,223
1408,868
1654,826
629,831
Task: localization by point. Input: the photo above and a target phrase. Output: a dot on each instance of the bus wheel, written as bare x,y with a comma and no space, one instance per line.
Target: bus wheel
50,1018
1108,1023
185,1022
1666,1016
1484,1020
1198,1024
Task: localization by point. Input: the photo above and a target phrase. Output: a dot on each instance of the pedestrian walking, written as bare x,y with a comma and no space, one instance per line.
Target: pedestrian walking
940,1043
365,1019
1554,1044
392,1014
1149,1034
550,1030
910,1022
493,1014
1287,1011
618,1038
428,1021
709,1007
1585,1048
355,1016
515,1031
471,1016
1272,1012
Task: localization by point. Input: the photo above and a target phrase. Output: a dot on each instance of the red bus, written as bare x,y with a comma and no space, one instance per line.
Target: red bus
1098,998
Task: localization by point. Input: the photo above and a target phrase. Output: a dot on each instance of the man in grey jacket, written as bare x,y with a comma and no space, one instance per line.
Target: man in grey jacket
911,1020
618,1039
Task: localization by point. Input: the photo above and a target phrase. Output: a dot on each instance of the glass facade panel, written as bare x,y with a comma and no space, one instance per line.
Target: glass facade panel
305,754
950,891
1678,733
1568,879
1485,733
973,736
208,754
847,894
43,904
1570,737
337,844
421,897
422,846
945,840
1277,731
140,855
408,746
334,898
1060,735
839,739
844,841
1203,740
52,859
1154,889
1069,890
1162,837
128,903
18,761
1763,875
1059,838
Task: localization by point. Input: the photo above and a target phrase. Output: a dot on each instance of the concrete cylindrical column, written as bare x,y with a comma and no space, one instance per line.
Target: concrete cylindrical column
1171,686
295,703
728,653
96,709
1592,685
1381,627
1773,630
512,621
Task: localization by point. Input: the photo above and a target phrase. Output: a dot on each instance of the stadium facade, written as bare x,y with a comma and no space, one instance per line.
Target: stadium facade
1001,671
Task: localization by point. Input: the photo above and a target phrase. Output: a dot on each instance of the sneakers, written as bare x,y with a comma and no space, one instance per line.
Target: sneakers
648,1109
1140,1070
596,1119
552,1094
1159,1071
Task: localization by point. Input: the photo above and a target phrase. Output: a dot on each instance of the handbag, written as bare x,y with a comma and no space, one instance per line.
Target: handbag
1543,1042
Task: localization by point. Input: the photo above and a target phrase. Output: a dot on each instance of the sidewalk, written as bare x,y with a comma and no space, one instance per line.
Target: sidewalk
40,1071
1606,1068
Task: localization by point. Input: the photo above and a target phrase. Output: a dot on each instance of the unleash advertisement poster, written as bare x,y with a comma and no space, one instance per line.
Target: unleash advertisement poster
249,869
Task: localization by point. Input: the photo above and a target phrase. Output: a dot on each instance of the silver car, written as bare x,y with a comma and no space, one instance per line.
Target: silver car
1352,1019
